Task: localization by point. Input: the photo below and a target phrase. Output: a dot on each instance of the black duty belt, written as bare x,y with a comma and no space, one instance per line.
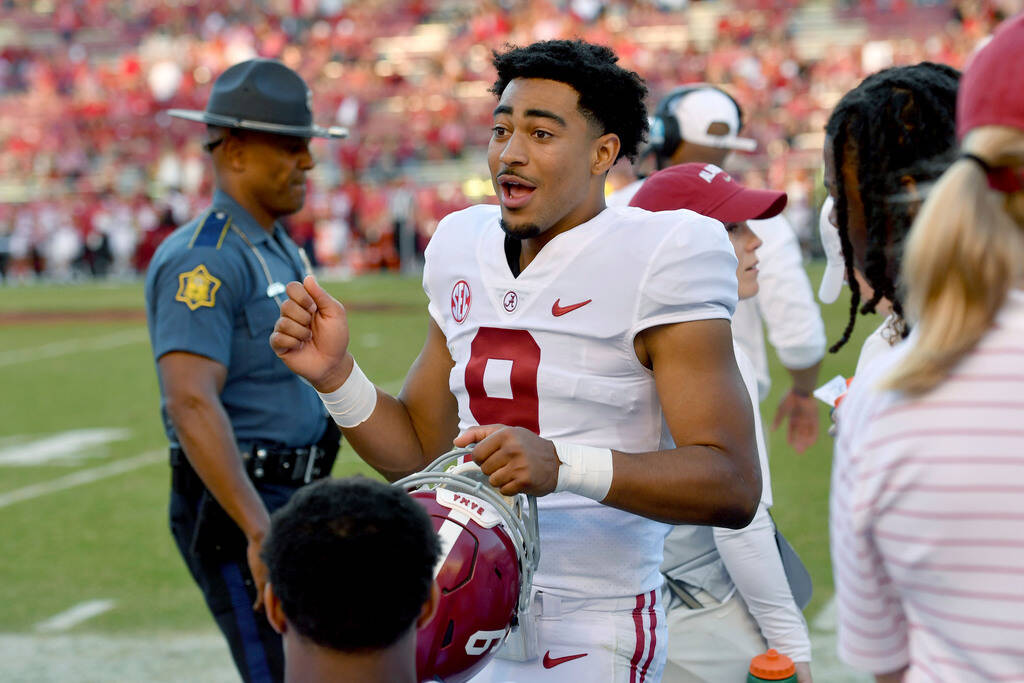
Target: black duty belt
288,466
280,466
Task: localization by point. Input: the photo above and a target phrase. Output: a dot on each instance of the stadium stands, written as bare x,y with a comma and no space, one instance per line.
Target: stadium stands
92,174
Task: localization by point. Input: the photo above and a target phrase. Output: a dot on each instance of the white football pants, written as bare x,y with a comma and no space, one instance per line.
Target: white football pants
620,640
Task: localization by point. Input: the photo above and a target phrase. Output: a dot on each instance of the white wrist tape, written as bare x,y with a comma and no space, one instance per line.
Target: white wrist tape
353,402
585,470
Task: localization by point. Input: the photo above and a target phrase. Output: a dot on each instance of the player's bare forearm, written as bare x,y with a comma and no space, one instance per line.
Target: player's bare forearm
713,475
687,485
390,442
693,485
193,384
405,433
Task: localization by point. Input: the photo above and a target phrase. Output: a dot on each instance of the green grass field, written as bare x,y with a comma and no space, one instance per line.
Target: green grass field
108,539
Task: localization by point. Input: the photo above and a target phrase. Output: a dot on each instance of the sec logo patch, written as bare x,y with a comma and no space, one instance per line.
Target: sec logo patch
461,299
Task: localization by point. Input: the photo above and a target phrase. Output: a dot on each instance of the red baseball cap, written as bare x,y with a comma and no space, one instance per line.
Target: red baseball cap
991,92
708,190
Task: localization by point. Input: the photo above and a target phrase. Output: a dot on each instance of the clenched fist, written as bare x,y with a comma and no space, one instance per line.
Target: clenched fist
311,336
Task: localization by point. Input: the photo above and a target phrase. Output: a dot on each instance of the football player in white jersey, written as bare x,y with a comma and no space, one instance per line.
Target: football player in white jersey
585,350
717,626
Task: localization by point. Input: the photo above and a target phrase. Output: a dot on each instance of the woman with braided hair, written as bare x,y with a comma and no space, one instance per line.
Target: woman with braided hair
886,141
927,501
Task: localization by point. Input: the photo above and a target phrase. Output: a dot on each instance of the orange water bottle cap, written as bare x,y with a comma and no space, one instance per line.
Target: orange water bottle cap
772,666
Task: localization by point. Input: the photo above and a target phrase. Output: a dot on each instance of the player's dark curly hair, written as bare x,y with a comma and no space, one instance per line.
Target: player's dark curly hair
352,562
610,96
897,125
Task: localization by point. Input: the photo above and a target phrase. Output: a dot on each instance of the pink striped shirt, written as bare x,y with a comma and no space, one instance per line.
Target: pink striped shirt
927,518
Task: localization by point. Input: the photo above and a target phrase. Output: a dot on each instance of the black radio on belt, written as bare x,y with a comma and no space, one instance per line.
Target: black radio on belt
287,466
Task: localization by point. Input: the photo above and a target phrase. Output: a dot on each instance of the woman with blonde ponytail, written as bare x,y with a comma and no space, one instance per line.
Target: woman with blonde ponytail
964,255
927,500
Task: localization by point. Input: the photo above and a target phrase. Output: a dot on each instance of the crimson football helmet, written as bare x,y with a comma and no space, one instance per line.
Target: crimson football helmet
489,552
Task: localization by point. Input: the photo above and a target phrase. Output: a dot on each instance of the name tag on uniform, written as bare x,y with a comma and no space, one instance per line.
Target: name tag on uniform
274,289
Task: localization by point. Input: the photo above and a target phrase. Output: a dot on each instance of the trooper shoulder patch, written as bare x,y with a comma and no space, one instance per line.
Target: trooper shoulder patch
197,288
211,230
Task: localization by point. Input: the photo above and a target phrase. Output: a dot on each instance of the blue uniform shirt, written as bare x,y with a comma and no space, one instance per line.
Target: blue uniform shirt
208,293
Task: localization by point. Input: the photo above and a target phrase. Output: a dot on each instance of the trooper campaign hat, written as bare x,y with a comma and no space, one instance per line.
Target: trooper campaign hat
263,95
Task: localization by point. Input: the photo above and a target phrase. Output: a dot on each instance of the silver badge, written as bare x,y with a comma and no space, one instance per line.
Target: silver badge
274,288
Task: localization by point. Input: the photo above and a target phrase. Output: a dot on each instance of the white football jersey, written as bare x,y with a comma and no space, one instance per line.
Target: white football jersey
552,351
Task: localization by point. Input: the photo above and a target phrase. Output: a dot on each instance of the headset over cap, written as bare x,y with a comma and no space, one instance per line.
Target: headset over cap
688,113
263,95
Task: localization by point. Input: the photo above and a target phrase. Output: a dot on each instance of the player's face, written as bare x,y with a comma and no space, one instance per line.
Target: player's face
547,160
276,167
856,223
745,242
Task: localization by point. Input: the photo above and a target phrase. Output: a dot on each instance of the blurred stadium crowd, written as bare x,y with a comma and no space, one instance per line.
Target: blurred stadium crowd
93,175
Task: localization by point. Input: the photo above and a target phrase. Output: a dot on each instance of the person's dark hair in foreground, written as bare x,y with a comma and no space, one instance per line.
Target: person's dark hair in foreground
351,577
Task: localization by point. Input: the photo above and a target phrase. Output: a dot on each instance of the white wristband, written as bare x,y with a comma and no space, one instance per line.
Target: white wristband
353,402
585,470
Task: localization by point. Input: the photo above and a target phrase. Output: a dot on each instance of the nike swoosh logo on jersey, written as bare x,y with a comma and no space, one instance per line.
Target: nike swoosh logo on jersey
557,310
551,662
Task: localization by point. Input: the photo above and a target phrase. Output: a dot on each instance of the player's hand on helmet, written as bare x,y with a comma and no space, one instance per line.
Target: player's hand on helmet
515,459
311,336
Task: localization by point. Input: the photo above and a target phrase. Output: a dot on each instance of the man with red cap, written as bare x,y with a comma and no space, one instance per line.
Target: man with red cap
727,591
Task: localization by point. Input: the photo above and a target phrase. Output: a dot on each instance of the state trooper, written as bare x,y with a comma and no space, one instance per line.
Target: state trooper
245,432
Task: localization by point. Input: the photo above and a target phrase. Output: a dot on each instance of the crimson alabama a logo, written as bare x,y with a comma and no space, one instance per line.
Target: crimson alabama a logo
510,301
461,298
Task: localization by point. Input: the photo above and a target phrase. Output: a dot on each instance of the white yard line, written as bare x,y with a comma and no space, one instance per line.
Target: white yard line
63,348
74,616
64,447
81,477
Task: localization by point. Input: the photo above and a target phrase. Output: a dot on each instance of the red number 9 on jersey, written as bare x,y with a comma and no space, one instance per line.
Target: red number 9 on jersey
519,347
